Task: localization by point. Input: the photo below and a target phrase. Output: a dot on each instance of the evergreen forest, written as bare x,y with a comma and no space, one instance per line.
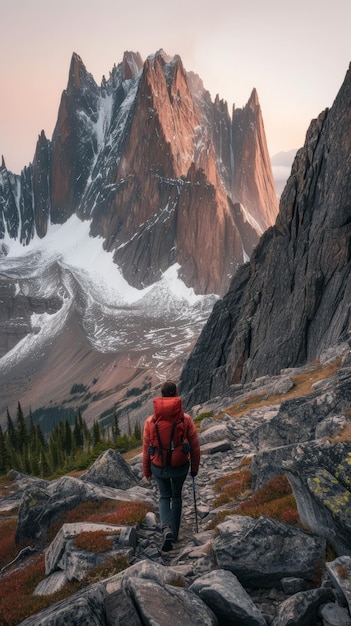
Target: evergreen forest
68,447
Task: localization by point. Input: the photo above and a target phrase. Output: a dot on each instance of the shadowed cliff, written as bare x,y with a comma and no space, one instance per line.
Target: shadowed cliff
292,300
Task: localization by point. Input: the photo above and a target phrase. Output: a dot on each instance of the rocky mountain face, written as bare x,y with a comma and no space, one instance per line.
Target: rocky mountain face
162,173
242,570
292,300
163,178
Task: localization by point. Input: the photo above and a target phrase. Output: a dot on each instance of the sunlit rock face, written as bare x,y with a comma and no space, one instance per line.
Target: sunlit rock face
292,301
116,241
163,174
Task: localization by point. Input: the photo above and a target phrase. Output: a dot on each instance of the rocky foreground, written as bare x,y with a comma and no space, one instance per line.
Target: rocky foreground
244,572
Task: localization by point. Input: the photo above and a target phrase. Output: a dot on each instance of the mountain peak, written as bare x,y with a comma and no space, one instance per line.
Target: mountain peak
78,75
253,102
136,156
132,64
292,302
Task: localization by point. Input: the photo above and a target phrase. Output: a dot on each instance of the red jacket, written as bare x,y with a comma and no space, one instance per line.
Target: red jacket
169,411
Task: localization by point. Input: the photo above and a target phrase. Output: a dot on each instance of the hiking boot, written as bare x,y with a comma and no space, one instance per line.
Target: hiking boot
167,539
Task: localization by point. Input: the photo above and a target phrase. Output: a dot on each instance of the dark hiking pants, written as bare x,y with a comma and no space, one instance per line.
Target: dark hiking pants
170,482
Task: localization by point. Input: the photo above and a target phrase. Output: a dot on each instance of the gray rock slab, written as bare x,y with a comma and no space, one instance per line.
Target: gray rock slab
55,551
218,432
216,446
42,504
120,609
169,606
77,563
147,570
293,585
111,470
339,571
335,615
260,552
222,592
302,608
83,608
51,584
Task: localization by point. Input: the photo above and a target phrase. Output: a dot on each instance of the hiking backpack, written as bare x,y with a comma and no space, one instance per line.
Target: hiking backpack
168,442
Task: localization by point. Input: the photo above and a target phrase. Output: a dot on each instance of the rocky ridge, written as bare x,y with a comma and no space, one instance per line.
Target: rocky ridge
251,571
163,174
162,178
291,301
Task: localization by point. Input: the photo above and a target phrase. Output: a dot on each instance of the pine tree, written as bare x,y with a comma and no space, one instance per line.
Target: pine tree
31,428
96,433
40,437
38,449
4,457
11,434
22,433
129,426
67,439
137,431
78,433
45,469
116,431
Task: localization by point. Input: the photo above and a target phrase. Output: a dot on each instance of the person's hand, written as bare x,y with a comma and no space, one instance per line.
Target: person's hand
193,474
145,481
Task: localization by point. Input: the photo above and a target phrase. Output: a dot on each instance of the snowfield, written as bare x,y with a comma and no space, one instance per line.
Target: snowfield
162,319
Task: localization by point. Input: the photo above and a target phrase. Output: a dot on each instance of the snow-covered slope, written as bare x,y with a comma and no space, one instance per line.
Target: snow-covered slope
151,327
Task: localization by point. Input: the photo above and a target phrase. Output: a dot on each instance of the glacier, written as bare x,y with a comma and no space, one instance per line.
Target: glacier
161,320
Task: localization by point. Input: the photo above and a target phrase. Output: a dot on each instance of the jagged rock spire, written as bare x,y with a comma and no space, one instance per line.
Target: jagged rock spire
293,300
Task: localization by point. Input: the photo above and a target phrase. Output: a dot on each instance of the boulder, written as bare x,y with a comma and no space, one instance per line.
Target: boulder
335,615
260,552
59,553
223,593
302,609
120,609
42,505
110,470
214,433
147,570
319,475
166,604
85,607
340,573
223,445
51,584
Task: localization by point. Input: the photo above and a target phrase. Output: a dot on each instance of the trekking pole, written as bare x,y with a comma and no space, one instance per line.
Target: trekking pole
197,527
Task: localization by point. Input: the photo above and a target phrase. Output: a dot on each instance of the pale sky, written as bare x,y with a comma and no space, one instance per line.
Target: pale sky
295,53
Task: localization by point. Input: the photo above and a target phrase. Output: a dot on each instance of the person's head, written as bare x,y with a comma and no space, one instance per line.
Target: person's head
169,389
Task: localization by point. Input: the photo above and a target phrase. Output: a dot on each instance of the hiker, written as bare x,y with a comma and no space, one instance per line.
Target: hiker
170,447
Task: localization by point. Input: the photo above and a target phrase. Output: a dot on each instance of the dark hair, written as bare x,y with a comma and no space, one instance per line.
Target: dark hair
169,389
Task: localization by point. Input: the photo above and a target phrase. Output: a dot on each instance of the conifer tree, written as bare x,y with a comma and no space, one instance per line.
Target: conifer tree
40,437
31,428
44,466
22,433
11,435
116,431
96,433
38,448
4,457
78,432
129,426
67,439
137,431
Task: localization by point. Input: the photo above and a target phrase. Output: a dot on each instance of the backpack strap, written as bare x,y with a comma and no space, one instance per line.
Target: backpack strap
158,438
170,449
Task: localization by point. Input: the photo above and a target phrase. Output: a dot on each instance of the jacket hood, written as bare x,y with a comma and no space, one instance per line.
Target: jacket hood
170,409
